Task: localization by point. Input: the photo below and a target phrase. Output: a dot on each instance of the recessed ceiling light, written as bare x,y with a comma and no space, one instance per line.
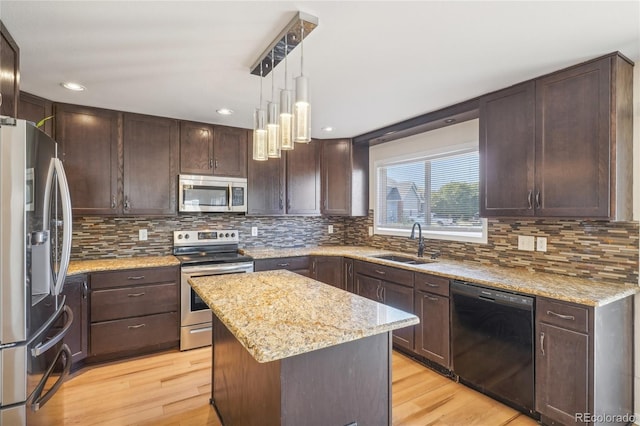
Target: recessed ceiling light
327,129
224,111
449,120
73,86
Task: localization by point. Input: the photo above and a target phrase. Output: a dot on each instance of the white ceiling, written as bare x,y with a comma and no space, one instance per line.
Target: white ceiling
370,64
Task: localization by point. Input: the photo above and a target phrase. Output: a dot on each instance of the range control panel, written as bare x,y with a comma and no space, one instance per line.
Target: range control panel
208,237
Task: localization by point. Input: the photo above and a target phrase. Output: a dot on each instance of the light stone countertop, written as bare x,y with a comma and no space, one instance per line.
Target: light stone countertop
554,286
85,266
279,314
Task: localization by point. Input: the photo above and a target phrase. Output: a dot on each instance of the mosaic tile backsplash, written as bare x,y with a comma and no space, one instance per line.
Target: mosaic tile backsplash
603,251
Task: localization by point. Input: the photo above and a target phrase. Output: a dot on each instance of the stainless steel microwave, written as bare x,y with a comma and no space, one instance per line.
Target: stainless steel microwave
212,194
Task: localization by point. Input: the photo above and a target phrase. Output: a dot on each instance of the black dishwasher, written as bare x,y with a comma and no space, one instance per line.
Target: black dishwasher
492,343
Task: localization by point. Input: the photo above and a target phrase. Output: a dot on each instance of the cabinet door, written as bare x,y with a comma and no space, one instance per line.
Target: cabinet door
336,177
432,334
265,186
507,152
88,140
34,108
77,338
230,151
400,297
347,267
368,287
573,163
562,371
328,269
9,72
196,148
150,169
303,179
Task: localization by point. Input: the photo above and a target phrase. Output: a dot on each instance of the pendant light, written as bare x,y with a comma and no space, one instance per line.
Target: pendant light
259,129
273,126
302,109
286,106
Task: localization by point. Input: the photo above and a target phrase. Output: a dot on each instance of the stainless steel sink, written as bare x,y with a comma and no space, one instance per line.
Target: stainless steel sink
402,259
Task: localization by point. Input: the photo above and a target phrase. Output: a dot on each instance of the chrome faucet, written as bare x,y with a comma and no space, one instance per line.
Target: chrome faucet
420,240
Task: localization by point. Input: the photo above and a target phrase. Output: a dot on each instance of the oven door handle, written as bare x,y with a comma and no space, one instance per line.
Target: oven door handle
40,348
216,269
38,400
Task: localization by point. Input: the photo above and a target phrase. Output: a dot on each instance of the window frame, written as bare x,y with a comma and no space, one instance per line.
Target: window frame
414,156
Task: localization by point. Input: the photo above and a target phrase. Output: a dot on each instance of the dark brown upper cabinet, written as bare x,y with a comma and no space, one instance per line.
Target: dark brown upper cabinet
88,140
34,108
286,185
150,154
213,150
560,146
344,178
9,73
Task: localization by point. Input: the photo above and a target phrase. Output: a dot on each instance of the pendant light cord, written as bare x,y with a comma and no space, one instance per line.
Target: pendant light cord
273,72
260,104
286,54
302,48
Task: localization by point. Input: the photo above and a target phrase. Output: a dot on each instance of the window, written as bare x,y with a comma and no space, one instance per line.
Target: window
439,189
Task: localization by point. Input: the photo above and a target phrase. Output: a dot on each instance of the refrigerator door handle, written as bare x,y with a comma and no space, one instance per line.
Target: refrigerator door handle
38,400
65,199
40,348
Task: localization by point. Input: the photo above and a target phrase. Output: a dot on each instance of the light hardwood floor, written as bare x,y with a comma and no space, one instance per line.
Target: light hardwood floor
173,388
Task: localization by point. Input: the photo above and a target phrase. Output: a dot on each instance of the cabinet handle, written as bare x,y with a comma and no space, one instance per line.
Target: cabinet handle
288,204
113,201
135,294
85,290
313,266
281,204
139,277
378,292
433,285
211,163
433,299
564,317
380,272
350,269
542,343
215,164
382,292
530,199
126,203
538,199
133,327
283,265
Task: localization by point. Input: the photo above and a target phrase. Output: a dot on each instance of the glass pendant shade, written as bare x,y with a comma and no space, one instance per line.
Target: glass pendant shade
286,120
302,111
273,131
259,135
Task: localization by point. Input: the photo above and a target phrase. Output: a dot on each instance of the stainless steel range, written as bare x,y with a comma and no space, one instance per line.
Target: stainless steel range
201,254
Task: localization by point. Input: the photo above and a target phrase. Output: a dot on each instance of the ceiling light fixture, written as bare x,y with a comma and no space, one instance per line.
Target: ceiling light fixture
224,111
259,129
327,129
273,126
296,125
73,86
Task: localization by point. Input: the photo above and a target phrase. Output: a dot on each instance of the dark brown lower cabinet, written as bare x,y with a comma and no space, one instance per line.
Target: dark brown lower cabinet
432,339
347,272
584,362
298,264
328,269
75,290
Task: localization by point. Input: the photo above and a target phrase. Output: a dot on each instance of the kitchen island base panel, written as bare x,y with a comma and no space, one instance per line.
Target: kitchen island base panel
338,385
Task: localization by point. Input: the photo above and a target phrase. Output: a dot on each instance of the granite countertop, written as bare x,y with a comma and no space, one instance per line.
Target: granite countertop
86,266
279,314
554,286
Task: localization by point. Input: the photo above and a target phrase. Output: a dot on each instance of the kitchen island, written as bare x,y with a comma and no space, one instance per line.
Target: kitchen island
289,350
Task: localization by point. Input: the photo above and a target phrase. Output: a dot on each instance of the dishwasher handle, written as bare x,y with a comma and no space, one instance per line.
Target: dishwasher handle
491,295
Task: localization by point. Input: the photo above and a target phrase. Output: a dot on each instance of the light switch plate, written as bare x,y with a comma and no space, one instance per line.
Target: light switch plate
142,235
254,231
541,244
526,243
330,229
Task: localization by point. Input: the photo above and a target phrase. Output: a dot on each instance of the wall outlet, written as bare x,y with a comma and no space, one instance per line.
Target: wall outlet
526,243
142,235
330,229
371,231
254,231
541,244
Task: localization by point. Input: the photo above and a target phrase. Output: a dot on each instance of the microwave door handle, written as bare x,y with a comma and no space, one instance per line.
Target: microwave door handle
65,199
38,400
230,197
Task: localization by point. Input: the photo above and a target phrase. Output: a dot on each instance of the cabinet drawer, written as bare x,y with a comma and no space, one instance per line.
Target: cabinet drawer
133,333
289,263
563,315
131,277
134,301
386,273
432,284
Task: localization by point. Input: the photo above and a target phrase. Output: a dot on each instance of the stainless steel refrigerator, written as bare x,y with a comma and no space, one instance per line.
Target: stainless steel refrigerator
35,244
